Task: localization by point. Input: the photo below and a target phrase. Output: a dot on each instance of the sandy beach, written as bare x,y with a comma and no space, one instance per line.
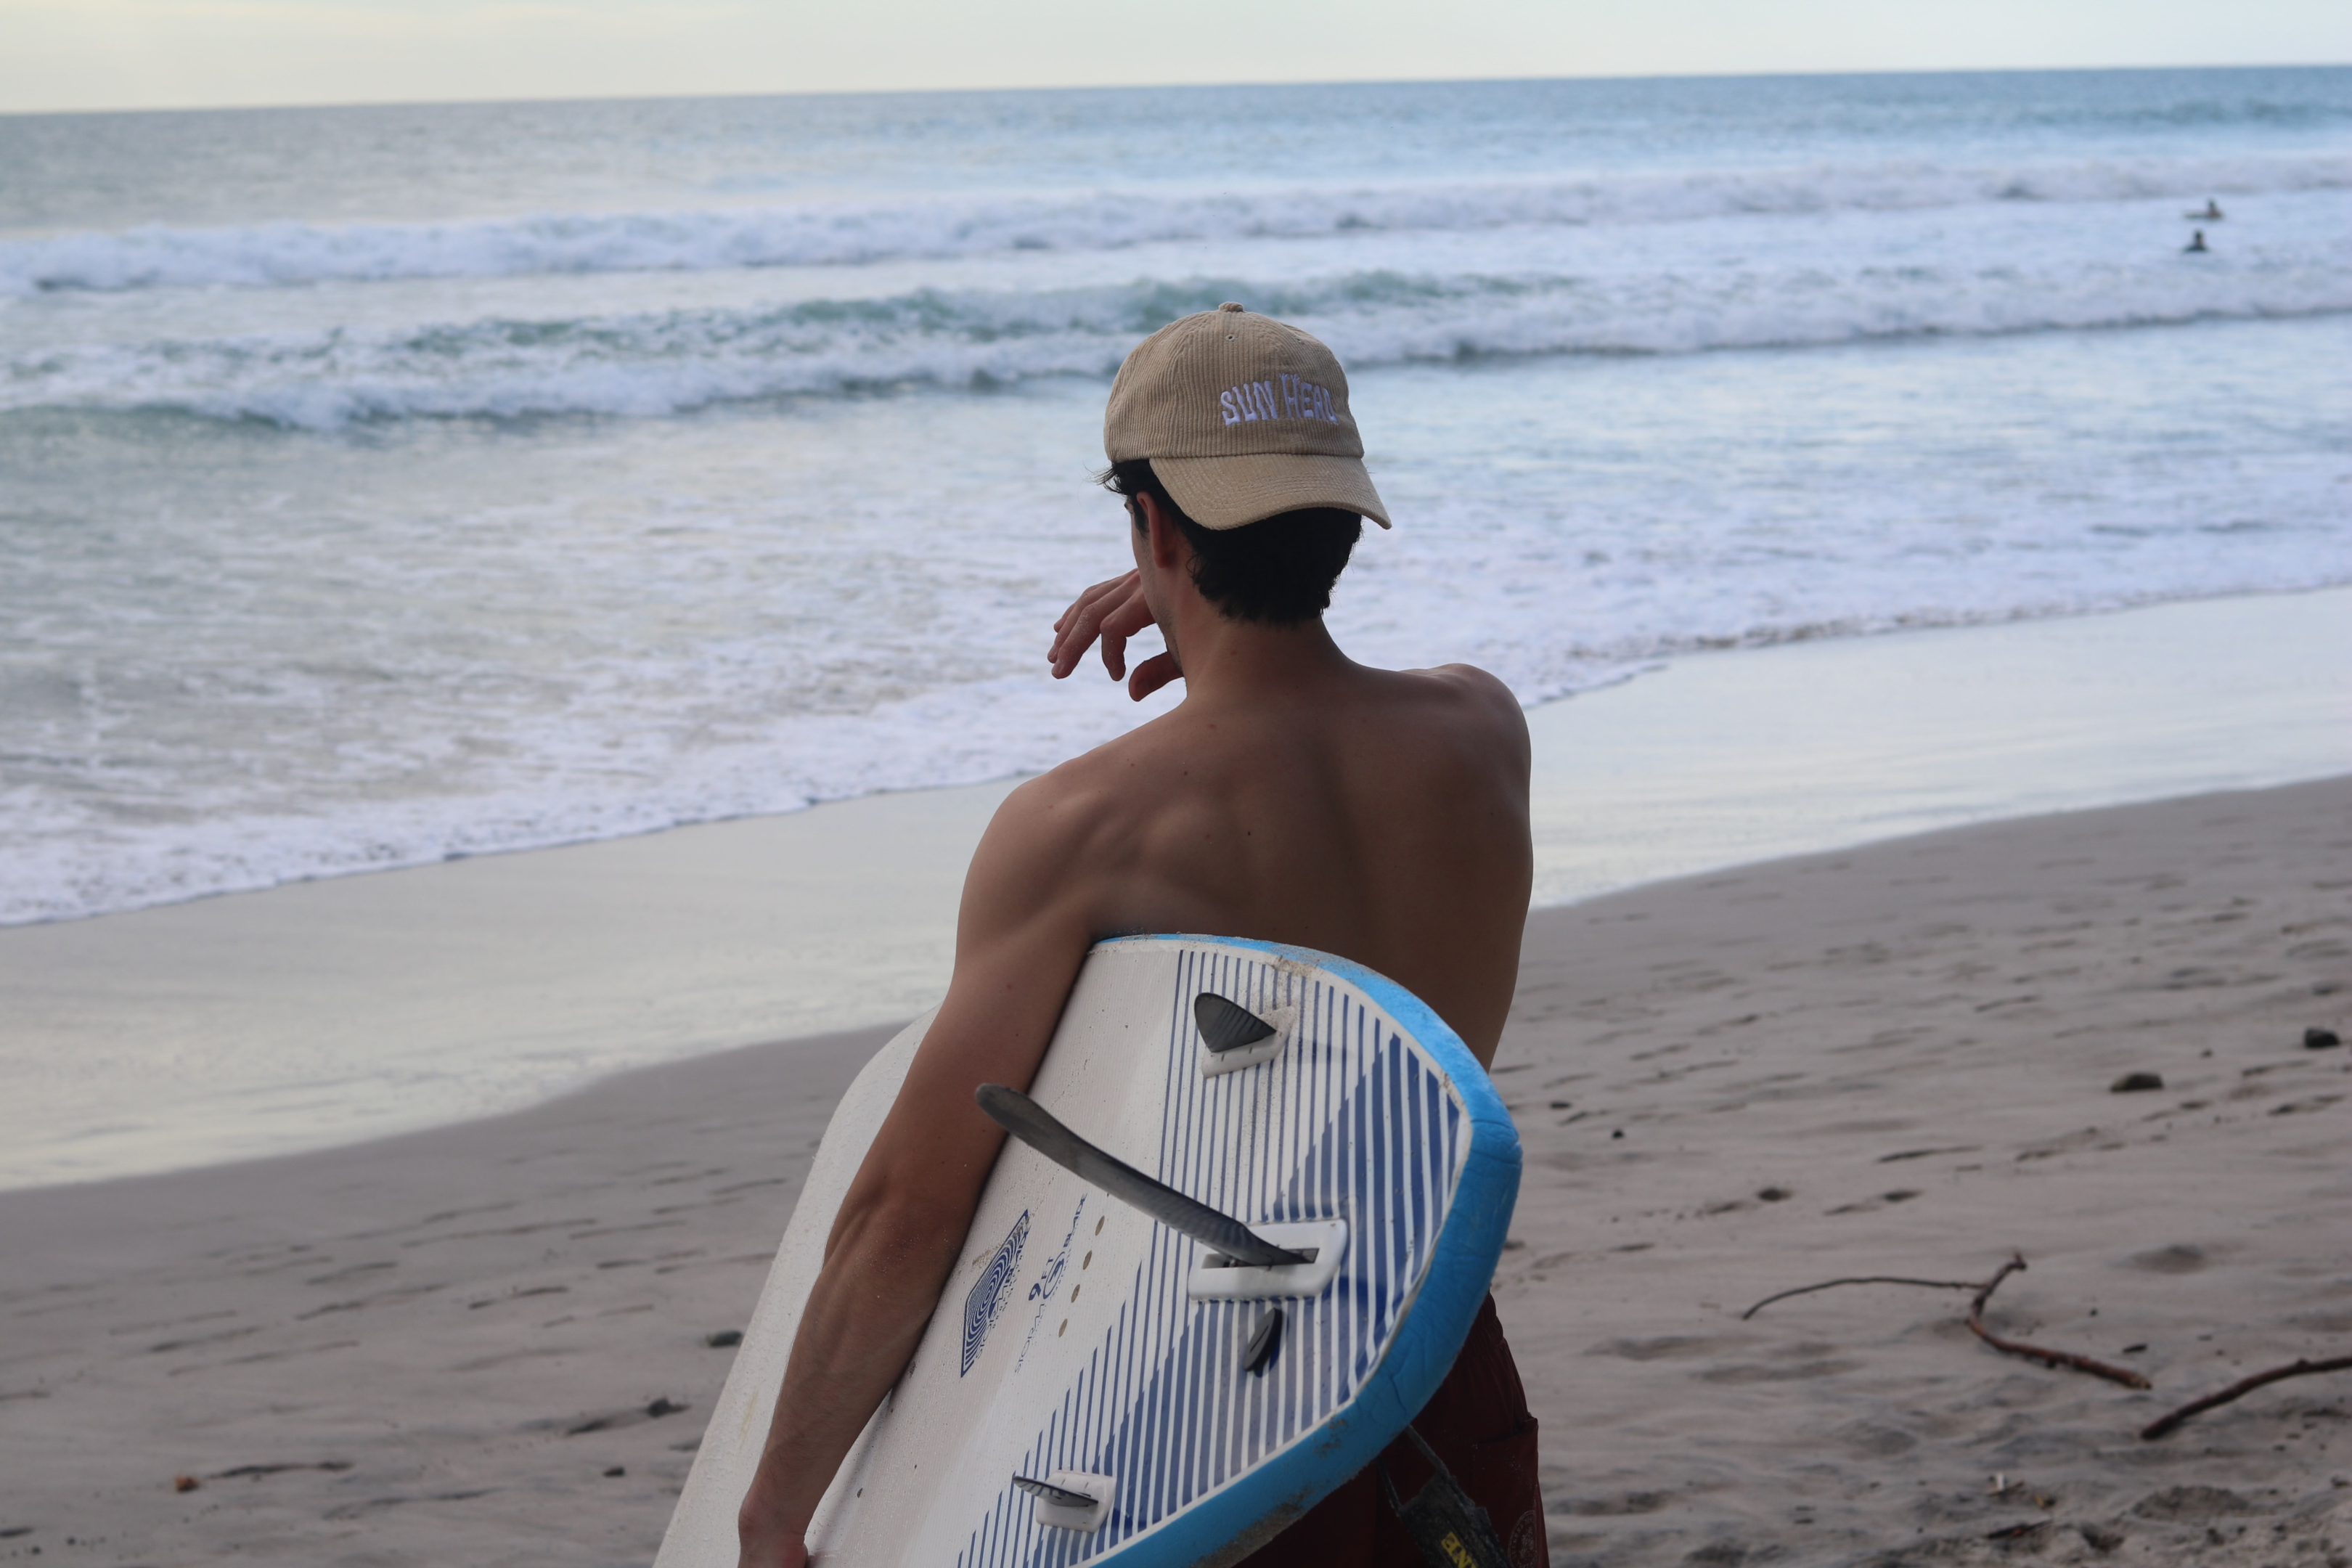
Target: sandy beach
491,1343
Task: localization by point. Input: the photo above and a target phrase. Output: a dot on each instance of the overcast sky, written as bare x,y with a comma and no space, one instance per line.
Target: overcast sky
136,54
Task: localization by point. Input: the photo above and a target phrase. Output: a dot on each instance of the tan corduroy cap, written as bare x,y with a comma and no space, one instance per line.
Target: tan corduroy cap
1242,417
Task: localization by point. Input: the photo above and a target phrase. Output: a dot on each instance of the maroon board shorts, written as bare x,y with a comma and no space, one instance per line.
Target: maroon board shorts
1478,1422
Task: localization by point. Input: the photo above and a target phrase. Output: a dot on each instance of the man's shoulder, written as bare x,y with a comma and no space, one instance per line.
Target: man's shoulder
1074,803
1475,704
1118,767
1475,689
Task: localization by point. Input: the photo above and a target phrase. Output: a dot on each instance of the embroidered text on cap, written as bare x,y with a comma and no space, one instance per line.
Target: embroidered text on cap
1286,396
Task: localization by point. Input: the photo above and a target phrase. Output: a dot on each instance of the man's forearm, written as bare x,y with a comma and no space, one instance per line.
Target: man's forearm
901,1225
863,1320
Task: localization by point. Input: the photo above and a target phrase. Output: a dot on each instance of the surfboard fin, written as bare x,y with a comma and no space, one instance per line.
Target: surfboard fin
1035,1126
1233,1038
1227,1025
1060,1496
1071,1499
1264,1343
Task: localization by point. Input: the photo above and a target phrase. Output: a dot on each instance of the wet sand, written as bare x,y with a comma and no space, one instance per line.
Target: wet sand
488,1343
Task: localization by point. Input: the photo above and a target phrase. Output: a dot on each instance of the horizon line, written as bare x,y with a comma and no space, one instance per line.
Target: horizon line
297,106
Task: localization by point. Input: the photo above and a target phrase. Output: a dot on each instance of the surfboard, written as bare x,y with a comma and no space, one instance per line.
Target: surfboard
1097,1386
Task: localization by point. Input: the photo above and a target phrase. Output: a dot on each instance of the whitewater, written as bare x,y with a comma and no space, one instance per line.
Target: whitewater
382,485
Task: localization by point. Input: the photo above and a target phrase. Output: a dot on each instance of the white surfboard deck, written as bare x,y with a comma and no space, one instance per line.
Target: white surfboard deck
1082,1343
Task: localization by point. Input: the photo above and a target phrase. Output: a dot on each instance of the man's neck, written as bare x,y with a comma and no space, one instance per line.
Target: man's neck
1227,660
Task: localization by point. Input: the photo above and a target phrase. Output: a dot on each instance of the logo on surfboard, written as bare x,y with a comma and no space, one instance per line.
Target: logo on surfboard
986,1297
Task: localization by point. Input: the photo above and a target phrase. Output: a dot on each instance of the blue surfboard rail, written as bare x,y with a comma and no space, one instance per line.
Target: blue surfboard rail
1437,1322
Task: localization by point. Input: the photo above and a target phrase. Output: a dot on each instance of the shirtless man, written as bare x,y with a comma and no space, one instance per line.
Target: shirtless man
1293,796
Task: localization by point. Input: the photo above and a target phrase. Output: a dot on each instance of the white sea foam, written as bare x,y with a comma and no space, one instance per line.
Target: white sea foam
510,657
581,786
942,227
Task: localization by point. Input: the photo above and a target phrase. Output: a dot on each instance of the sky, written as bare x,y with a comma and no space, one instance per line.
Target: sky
58,54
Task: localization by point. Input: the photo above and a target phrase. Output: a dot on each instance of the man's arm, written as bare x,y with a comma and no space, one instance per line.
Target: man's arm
1023,929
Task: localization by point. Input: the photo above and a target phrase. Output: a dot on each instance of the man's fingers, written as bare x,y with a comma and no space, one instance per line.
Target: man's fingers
1108,586
1116,585
1130,614
1072,646
1078,626
1152,674
1064,621
1113,612
1120,622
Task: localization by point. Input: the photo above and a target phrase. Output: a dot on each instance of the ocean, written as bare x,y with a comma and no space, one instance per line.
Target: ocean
385,485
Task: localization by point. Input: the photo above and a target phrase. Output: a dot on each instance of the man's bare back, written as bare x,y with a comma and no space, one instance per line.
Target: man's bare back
1299,796
1293,796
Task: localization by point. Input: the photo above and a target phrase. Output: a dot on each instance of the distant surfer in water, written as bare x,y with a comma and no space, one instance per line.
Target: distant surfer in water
1293,796
2195,242
2212,213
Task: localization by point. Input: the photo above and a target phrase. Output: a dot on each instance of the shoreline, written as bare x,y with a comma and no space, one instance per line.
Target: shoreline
325,1013
475,1339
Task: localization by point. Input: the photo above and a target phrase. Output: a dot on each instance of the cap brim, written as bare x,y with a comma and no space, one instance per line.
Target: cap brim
1231,492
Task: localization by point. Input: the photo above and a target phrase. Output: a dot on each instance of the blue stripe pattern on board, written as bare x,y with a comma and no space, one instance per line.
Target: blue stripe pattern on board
1349,1121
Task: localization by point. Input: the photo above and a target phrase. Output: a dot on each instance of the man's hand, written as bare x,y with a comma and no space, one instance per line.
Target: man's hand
1113,611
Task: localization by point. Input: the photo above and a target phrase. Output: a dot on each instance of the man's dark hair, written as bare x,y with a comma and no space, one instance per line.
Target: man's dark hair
1278,571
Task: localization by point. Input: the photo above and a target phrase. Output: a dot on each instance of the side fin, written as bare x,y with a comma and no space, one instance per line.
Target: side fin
1227,1025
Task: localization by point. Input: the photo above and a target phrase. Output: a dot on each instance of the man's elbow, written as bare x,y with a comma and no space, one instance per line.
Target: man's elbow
898,1228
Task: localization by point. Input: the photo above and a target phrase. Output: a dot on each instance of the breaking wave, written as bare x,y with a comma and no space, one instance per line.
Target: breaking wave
666,362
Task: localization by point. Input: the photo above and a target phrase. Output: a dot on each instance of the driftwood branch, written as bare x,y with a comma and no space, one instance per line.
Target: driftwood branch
2165,1425
1984,1290
2016,1265
1859,1280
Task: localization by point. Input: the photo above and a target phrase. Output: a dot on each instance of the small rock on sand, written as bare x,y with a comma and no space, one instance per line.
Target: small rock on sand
2318,1040
2136,1083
